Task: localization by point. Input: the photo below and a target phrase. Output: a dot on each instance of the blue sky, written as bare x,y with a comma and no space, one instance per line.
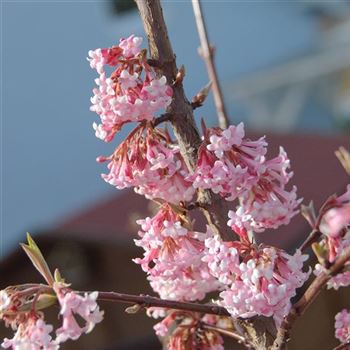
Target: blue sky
48,146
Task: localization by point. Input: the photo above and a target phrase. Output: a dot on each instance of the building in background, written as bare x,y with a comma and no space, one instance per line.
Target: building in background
308,92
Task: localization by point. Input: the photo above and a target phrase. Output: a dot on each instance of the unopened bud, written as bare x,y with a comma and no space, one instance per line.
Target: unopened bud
320,252
308,212
203,93
133,309
101,159
180,75
344,157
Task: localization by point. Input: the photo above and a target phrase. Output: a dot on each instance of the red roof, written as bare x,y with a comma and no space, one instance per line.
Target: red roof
318,174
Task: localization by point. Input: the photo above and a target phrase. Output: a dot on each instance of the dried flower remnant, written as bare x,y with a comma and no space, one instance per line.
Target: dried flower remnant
187,331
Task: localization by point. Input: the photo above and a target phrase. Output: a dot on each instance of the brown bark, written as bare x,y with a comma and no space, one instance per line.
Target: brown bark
148,301
182,121
261,330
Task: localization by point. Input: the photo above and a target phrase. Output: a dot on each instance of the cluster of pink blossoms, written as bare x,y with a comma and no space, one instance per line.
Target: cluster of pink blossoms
32,333
73,305
235,168
182,264
151,163
342,326
335,226
147,160
173,257
258,280
227,163
132,93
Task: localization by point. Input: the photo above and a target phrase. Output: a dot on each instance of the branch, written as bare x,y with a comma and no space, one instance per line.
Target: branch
183,122
207,54
166,117
313,236
148,301
344,346
308,298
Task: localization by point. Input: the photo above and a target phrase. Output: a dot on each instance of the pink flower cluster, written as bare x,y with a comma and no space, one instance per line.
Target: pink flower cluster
32,333
337,218
267,204
173,257
132,93
335,226
227,163
72,306
342,326
151,163
234,167
258,280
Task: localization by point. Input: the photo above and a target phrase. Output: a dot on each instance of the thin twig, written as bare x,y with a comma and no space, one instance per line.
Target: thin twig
308,298
344,346
148,301
166,117
315,233
207,54
313,236
240,339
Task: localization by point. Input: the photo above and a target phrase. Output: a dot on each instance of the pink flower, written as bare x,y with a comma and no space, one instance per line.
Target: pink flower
262,284
97,61
148,161
337,281
222,142
222,259
73,305
335,227
173,257
228,164
5,301
267,204
132,93
342,326
338,217
33,334
131,46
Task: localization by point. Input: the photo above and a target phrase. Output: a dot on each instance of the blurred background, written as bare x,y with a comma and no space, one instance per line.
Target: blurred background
285,71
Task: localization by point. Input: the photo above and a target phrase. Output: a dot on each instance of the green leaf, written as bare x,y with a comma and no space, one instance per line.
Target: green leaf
43,302
58,277
38,260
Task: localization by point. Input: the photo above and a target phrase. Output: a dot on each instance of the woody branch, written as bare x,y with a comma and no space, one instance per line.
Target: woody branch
183,121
